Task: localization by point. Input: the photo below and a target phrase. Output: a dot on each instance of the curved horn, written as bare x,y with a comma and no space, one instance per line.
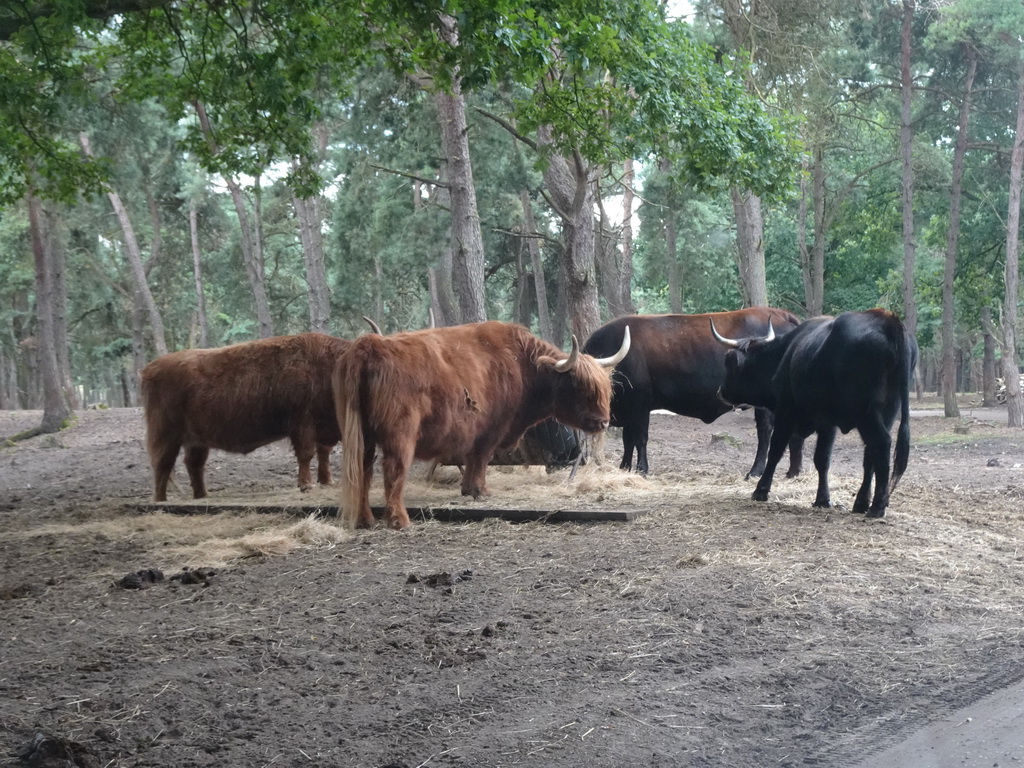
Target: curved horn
771,332
564,366
721,338
430,314
373,326
611,362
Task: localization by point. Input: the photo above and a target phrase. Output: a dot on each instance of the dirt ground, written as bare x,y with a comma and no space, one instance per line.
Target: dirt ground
709,631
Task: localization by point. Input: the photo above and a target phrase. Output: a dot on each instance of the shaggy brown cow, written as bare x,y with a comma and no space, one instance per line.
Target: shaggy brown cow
462,391
239,398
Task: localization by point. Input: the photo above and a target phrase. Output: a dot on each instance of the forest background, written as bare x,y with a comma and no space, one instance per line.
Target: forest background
180,173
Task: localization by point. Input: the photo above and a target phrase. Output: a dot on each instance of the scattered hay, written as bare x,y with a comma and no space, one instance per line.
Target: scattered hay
308,533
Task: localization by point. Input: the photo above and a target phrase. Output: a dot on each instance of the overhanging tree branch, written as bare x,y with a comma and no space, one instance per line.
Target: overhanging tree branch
93,9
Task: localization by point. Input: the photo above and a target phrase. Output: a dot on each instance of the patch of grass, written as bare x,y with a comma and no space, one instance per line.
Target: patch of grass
944,438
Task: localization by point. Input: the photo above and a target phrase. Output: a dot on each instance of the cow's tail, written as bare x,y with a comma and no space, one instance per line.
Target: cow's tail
348,387
907,357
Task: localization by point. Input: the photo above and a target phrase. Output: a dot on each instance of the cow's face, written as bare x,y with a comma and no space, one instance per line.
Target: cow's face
748,375
583,396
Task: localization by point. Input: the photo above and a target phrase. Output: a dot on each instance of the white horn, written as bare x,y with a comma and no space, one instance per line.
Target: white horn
373,325
771,332
611,362
564,366
721,338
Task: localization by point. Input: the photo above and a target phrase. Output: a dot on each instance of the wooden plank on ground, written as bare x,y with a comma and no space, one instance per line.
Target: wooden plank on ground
444,514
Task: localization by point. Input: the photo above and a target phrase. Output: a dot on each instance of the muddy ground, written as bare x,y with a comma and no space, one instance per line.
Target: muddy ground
710,631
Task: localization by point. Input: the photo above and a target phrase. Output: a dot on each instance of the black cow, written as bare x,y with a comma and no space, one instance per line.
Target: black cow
675,364
845,372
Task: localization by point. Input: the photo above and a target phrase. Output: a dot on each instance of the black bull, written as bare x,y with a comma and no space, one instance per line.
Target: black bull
846,372
675,364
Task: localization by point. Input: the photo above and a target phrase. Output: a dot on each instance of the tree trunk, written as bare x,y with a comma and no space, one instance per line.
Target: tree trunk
197,272
56,408
615,253
536,266
308,217
55,246
143,295
906,150
750,247
816,298
675,283
250,239
625,299
1014,404
570,182
467,240
801,239
952,410
988,359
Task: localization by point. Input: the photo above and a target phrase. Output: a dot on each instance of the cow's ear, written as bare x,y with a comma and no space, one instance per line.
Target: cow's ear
546,361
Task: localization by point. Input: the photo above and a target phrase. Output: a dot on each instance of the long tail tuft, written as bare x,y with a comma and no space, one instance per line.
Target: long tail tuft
907,350
351,423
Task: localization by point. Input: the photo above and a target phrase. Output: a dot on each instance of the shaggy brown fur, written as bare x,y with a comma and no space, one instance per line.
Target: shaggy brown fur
239,398
462,391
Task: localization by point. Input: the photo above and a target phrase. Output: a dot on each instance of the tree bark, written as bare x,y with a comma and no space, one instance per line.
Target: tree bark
952,409
988,359
308,216
56,248
197,273
142,293
675,283
536,266
625,299
906,151
615,252
1014,403
467,240
816,298
570,183
56,408
750,247
801,239
250,239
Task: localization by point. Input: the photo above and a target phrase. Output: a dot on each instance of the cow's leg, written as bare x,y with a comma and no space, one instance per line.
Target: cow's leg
474,476
777,447
860,504
323,463
162,459
822,461
395,466
304,445
877,445
635,436
796,456
364,518
628,444
764,422
195,463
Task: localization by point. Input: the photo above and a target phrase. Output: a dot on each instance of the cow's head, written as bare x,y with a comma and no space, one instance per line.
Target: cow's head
582,386
749,366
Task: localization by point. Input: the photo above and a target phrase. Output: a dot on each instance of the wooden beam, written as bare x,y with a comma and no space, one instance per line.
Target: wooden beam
443,514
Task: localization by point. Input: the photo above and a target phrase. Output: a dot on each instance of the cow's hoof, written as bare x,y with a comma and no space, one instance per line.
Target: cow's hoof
759,495
875,514
823,503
